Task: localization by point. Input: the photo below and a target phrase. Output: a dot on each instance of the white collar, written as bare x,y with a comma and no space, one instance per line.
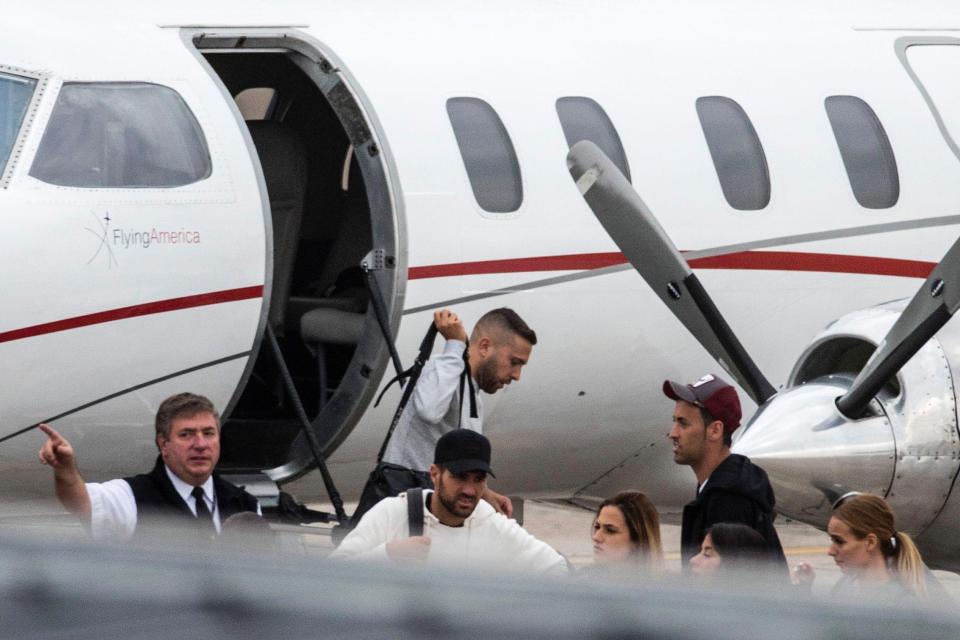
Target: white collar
186,490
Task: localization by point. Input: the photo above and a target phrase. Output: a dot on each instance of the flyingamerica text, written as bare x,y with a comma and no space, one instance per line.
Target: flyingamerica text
146,239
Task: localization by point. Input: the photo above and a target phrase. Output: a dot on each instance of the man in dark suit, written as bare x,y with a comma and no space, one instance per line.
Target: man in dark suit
181,491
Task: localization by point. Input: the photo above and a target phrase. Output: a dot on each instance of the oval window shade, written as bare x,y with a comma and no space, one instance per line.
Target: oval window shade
736,151
866,152
488,155
584,119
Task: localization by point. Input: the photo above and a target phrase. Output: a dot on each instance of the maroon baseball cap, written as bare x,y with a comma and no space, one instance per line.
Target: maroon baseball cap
711,392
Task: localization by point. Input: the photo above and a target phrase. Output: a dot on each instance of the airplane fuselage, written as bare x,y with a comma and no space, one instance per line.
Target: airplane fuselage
120,292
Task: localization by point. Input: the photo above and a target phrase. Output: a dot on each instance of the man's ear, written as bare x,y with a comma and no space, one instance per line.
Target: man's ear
434,474
484,345
715,431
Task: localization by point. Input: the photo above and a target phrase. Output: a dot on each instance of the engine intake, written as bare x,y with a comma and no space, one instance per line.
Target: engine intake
907,449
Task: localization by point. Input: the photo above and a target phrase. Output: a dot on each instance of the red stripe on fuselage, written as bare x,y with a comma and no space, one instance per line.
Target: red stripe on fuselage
756,260
148,308
575,262
760,260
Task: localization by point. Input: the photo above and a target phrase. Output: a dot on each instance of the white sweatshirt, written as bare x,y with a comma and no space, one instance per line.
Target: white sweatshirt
486,540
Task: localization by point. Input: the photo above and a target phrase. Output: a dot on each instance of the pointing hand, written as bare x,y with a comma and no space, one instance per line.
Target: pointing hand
56,451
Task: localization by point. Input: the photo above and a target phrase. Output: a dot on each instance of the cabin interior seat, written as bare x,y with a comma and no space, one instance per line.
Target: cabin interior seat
284,162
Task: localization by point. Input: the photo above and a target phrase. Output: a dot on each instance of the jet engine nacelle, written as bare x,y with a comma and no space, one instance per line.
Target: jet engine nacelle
906,449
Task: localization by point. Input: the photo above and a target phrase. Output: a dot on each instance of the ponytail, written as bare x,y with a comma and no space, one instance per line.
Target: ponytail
909,564
866,514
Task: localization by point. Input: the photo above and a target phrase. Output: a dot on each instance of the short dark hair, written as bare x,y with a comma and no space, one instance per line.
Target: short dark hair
182,405
708,418
737,542
505,319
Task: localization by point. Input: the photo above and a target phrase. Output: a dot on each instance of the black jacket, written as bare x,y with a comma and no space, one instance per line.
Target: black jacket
158,501
737,491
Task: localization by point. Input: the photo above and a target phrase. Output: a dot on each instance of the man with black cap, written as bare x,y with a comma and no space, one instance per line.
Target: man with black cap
729,487
458,527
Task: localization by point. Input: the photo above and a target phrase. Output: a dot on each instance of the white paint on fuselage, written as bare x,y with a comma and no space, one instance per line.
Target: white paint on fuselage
609,336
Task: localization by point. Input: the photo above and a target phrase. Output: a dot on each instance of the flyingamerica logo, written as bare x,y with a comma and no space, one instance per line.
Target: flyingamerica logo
114,237
128,238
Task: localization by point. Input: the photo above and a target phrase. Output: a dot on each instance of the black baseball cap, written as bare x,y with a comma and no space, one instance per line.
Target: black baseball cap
463,450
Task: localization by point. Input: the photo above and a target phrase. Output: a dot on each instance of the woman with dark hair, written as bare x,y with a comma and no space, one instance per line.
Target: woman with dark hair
870,551
729,546
626,532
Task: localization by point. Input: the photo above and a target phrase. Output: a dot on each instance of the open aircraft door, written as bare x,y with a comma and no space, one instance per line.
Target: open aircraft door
934,66
334,228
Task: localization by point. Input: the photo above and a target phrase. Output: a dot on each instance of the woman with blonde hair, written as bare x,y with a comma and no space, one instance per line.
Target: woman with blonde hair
870,551
626,532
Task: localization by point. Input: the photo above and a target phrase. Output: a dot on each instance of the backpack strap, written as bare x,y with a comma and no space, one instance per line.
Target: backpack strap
426,346
467,379
415,511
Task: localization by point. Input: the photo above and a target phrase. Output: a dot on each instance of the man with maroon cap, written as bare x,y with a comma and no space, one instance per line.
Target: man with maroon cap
729,487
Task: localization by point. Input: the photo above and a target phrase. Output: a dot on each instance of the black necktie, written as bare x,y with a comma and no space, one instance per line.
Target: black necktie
204,517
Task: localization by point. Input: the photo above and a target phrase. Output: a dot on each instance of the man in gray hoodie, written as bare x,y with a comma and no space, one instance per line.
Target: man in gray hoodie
444,398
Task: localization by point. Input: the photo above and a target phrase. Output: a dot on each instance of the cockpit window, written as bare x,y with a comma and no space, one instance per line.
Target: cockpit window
113,135
15,94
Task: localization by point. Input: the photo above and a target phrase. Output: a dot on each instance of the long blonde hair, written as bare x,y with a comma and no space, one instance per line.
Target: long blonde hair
643,523
866,514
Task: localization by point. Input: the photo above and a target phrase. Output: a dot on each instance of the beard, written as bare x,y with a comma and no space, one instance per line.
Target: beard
486,375
450,503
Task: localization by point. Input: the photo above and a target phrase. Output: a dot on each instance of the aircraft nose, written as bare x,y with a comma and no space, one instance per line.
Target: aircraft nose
813,454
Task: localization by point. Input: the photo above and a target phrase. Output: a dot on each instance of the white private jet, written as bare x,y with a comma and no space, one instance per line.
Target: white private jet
178,179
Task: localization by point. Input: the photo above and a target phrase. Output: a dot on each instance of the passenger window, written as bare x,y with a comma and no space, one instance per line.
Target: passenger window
487,153
121,135
256,103
736,151
865,150
15,94
584,119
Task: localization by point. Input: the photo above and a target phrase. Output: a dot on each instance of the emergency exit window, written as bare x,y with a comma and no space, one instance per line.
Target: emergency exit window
15,94
737,153
865,150
121,135
487,153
